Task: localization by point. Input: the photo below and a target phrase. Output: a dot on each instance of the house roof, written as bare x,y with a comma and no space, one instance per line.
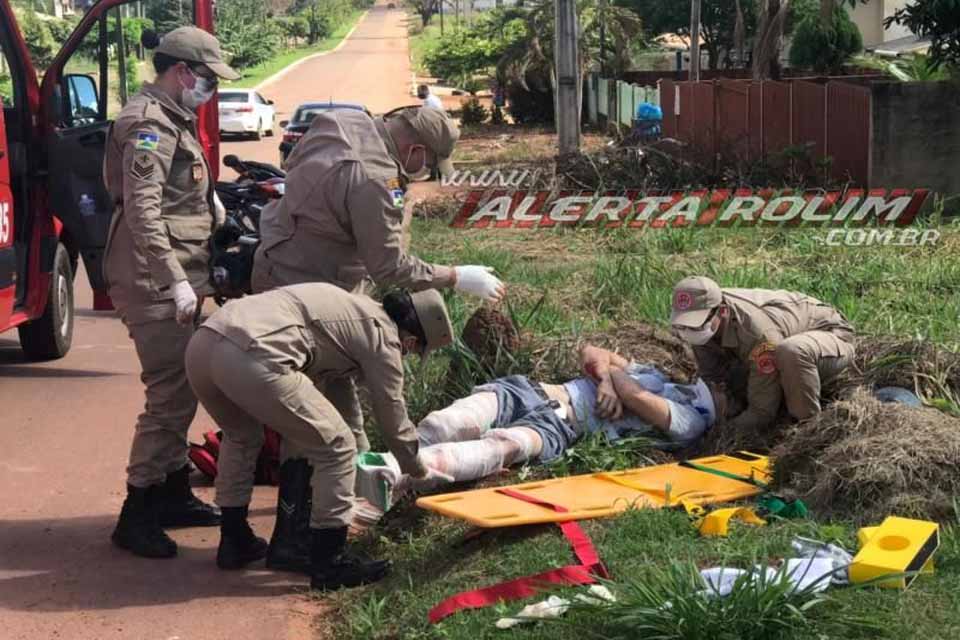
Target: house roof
900,46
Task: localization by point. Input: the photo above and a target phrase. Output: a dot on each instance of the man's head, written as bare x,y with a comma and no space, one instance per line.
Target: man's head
727,404
696,310
421,318
423,91
189,63
424,138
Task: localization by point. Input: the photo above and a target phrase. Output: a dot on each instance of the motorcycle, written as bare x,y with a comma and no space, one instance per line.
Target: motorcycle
234,244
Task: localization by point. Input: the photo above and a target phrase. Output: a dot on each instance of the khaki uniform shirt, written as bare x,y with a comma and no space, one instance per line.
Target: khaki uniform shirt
161,187
341,216
759,320
325,332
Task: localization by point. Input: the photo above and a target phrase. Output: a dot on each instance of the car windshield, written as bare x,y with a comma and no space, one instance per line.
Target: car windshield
307,115
232,97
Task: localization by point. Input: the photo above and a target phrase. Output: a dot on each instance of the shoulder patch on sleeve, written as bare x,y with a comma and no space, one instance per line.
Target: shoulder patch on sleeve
396,192
764,356
147,141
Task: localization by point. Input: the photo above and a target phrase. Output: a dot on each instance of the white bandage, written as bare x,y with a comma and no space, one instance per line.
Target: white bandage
466,419
475,459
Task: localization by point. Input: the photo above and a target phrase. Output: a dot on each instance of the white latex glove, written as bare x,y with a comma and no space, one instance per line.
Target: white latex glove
479,281
186,301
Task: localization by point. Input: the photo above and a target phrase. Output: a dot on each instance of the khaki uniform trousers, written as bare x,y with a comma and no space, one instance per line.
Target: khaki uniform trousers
341,392
806,362
160,439
242,394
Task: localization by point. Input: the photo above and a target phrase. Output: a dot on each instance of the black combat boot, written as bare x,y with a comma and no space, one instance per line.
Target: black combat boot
238,544
180,508
138,529
332,567
290,542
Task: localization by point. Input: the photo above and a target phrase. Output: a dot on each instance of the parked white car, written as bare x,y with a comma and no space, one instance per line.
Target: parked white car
246,112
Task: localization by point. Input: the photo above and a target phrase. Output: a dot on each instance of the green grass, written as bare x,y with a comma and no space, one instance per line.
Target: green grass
255,75
565,283
423,38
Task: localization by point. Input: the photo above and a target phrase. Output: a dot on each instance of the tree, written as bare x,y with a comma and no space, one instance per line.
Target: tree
40,43
825,48
938,19
723,24
167,15
425,9
246,33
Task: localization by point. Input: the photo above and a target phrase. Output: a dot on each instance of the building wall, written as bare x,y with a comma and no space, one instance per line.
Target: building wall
916,136
869,19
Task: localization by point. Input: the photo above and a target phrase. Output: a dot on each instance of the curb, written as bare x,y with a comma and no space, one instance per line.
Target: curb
283,72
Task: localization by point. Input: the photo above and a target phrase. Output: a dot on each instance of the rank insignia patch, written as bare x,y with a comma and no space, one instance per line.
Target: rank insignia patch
397,198
197,172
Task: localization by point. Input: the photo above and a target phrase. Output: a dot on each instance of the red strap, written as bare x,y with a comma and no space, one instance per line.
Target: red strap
586,572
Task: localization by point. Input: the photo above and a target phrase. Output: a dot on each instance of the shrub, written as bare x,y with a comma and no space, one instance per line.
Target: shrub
529,106
825,49
473,112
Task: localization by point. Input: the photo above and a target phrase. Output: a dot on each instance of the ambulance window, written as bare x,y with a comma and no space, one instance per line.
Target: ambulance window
86,61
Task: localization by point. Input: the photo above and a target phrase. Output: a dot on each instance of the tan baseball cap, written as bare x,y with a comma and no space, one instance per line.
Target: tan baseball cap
694,298
437,131
191,44
433,316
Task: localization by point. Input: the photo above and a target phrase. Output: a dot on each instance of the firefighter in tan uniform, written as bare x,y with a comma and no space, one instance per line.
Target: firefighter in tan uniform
791,343
258,361
165,210
340,221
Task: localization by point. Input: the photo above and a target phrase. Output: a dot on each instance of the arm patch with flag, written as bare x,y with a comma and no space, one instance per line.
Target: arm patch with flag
147,141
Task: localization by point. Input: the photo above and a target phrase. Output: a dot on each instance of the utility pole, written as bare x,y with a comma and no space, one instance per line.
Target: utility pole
568,77
603,39
441,18
694,40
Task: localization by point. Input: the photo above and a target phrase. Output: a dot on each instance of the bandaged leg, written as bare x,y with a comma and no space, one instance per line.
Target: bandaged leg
466,419
475,459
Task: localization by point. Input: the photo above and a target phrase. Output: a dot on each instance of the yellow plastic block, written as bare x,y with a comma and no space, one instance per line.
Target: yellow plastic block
899,545
717,523
865,533
604,494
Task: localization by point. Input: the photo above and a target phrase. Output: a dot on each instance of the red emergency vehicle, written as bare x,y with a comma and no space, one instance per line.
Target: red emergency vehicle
54,208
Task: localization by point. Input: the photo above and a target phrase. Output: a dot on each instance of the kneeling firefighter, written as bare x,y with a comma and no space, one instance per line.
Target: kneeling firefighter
257,361
341,221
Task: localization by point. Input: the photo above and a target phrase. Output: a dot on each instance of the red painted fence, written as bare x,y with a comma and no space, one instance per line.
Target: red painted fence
744,121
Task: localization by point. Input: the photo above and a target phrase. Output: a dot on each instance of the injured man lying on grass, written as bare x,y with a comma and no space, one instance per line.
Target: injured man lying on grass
514,420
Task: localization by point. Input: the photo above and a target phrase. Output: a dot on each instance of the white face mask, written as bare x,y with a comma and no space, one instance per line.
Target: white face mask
697,337
202,92
422,172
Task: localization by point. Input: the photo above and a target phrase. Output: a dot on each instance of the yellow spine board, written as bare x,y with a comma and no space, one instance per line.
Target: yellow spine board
898,546
600,495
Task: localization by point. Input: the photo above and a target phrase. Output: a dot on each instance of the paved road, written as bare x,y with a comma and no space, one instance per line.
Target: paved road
370,68
64,435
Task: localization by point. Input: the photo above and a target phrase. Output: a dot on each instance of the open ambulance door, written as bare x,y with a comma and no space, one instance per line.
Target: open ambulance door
77,109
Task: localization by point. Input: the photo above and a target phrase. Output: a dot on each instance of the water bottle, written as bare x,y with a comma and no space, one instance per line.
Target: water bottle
87,206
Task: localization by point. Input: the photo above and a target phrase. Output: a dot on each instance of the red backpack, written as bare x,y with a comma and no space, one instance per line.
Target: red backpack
204,456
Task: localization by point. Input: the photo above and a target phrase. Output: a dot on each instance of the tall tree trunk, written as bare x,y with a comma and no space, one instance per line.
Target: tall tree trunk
739,34
768,41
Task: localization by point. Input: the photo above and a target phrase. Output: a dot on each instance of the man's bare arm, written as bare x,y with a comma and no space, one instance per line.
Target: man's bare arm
649,407
597,361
